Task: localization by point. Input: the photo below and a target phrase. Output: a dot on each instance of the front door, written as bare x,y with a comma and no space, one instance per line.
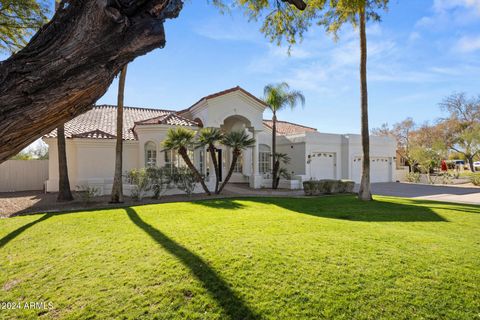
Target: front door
220,164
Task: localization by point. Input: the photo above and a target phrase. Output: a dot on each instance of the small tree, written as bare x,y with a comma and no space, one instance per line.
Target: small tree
209,137
279,97
117,188
181,140
238,141
461,128
281,158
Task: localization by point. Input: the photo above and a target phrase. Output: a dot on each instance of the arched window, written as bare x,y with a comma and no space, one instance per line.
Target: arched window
150,154
264,159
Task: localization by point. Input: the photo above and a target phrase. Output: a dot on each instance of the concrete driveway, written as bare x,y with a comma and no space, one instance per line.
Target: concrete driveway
459,194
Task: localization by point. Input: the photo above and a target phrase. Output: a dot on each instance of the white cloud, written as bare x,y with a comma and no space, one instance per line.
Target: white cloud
468,44
444,5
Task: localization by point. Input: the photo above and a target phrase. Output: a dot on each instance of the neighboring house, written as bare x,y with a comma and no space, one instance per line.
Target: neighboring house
314,155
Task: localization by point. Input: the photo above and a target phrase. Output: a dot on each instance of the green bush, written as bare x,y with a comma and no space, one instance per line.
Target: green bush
87,192
413,177
327,186
475,178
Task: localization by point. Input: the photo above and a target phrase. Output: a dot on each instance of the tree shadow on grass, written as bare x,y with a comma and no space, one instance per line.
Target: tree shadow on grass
348,207
233,305
228,204
352,209
12,235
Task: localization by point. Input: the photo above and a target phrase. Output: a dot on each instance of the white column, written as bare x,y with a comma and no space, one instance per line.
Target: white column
255,178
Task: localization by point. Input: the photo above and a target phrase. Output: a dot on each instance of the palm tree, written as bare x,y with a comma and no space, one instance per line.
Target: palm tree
280,158
180,140
208,137
117,188
364,193
64,193
238,141
278,97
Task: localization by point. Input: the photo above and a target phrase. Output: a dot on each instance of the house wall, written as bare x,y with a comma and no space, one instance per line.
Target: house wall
89,161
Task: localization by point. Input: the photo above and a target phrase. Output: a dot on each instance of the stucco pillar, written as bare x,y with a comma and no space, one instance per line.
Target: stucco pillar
255,180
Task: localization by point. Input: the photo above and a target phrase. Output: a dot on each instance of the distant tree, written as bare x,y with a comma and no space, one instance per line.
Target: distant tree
117,187
402,132
19,19
461,128
181,140
237,141
280,23
278,97
209,137
22,155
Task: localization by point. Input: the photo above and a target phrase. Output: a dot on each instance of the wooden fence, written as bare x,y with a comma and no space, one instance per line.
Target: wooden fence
23,175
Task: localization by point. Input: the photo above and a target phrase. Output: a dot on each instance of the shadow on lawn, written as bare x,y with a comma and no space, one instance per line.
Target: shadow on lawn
350,208
233,305
12,235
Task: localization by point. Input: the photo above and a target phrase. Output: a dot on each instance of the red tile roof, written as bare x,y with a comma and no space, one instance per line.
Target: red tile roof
288,128
104,118
171,119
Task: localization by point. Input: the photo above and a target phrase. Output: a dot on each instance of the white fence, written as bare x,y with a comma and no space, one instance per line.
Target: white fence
23,175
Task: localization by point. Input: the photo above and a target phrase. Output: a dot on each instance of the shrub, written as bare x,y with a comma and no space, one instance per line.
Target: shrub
327,186
139,179
87,192
475,179
183,179
158,180
413,177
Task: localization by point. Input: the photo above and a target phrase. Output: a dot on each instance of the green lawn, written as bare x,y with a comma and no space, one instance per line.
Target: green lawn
274,258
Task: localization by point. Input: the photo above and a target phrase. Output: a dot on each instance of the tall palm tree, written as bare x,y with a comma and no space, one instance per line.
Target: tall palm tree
117,188
278,97
364,193
238,141
64,193
208,137
181,140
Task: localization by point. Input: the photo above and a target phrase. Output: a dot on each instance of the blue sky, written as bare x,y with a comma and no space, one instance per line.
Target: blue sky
420,52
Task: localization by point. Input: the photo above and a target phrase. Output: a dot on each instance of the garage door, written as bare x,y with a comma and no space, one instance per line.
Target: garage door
322,165
379,169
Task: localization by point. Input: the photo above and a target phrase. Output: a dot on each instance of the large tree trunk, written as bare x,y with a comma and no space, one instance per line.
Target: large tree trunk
198,177
64,193
274,150
470,162
71,62
235,155
364,193
117,188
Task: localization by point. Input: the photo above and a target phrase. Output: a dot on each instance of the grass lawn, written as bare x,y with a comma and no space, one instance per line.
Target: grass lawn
274,258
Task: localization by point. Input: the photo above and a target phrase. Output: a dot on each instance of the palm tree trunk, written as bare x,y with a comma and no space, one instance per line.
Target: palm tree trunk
364,193
64,193
117,188
274,149
198,177
216,167
235,155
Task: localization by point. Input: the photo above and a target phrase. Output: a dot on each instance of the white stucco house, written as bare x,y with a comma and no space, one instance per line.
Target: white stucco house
314,155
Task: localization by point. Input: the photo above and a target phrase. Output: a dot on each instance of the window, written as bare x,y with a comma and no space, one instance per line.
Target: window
239,165
264,159
150,154
201,162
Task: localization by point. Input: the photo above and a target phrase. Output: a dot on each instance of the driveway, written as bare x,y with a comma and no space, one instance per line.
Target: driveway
459,194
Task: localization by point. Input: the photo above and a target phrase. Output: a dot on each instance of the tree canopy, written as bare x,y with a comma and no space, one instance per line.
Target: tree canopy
19,19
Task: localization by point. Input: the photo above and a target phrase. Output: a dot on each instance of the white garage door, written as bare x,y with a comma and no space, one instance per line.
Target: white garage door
322,165
379,169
